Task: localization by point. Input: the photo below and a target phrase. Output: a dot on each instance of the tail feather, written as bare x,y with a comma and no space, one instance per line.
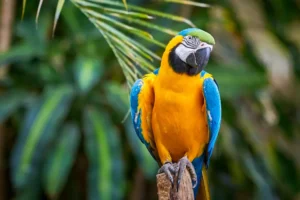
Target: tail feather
203,193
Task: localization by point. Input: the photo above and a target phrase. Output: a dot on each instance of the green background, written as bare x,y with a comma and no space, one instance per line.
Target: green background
64,128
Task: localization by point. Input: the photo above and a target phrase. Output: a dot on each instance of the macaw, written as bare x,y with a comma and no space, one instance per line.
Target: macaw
176,110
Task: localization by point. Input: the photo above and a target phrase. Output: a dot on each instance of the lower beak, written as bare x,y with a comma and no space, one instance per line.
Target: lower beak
199,58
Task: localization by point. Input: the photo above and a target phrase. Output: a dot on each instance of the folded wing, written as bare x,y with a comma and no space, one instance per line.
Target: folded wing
213,112
141,104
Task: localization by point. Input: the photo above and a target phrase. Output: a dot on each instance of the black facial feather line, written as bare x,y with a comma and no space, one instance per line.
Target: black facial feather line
181,67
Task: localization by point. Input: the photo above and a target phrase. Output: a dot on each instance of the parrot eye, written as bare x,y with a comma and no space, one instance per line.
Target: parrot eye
191,42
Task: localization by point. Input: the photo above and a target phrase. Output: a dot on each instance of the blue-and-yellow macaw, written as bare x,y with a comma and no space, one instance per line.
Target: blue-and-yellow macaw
176,110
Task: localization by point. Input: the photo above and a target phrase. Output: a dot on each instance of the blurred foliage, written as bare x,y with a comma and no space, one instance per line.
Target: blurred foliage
64,99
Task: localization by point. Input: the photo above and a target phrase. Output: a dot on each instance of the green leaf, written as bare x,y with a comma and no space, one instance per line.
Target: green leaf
118,98
31,192
261,181
147,24
36,133
103,148
140,33
23,8
125,4
10,102
139,9
60,160
192,3
38,11
18,53
142,155
127,40
59,7
125,13
129,52
232,81
87,73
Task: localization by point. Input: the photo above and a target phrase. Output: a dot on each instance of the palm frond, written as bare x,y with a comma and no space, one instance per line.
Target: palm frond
59,7
38,11
125,4
187,2
120,28
23,8
113,25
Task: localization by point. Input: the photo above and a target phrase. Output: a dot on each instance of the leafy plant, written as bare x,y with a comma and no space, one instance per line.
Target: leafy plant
49,132
64,99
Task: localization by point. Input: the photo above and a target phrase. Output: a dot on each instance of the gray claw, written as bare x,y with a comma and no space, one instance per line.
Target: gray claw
168,168
182,164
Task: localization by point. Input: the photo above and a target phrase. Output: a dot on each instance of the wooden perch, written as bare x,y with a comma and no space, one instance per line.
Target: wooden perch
166,192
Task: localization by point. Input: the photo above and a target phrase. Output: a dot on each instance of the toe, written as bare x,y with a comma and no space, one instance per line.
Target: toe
168,169
185,163
195,182
169,175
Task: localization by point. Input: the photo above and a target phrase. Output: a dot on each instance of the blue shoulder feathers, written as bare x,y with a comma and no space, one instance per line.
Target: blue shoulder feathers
213,112
135,113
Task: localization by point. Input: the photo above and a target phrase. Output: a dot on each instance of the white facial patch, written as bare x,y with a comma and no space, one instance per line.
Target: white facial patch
183,52
190,45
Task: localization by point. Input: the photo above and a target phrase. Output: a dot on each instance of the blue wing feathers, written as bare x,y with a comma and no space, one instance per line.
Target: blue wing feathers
197,163
135,113
213,109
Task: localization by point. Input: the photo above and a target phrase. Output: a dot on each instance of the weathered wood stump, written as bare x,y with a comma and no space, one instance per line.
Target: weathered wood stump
167,192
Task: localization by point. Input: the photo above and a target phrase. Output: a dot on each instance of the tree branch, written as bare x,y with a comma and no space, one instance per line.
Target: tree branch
166,192
7,8
7,13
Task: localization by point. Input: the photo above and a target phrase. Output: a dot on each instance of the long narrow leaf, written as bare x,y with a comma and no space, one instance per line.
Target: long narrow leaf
192,3
127,13
147,24
103,148
9,102
140,9
59,7
87,72
37,132
122,64
130,29
139,60
125,4
60,160
116,11
18,53
23,8
38,11
129,41
117,97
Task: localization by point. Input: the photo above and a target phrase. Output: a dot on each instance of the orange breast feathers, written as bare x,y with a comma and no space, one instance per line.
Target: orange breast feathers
173,117
178,117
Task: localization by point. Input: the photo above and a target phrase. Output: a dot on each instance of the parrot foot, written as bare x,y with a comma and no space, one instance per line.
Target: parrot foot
168,168
182,164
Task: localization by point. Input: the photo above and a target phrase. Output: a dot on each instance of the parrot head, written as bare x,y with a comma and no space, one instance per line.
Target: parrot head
189,51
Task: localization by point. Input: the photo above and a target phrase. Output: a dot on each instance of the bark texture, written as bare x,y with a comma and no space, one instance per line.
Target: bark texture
167,192
7,8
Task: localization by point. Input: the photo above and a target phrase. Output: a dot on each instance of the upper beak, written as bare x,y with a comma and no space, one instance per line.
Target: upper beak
199,58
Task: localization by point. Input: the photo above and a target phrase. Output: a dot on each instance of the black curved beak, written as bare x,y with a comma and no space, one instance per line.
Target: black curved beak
199,58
